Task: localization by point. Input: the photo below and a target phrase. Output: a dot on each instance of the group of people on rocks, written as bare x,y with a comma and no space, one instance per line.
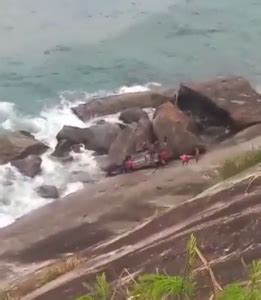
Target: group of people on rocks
153,155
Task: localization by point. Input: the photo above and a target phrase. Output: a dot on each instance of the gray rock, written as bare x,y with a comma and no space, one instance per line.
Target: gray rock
48,191
131,115
114,104
130,140
97,138
62,148
29,166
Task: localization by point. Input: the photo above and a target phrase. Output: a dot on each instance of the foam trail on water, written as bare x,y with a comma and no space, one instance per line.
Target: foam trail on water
18,193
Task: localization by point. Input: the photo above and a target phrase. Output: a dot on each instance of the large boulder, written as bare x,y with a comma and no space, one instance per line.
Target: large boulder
130,140
17,145
171,123
48,191
229,102
132,115
73,135
101,137
114,104
98,138
29,166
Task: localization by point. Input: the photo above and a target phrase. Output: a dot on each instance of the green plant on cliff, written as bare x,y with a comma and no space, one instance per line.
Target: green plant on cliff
240,163
100,291
250,291
158,286
163,286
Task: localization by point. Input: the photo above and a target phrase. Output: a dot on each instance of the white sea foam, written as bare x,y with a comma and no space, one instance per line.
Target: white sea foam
17,192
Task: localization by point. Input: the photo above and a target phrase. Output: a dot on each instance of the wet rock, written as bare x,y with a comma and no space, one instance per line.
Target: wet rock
29,166
229,102
97,138
73,135
100,122
26,133
77,148
131,115
178,128
117,103
48,191
130,140
17,145
62,148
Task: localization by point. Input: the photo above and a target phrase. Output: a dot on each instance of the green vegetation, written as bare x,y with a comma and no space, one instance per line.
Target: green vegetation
240,163
158,286
250,291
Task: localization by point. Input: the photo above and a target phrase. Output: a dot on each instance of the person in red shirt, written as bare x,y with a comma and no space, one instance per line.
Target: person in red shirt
128,164
185,159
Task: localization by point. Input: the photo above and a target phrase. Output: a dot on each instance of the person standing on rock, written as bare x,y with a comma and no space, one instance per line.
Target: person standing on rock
185,159
196,154
164,154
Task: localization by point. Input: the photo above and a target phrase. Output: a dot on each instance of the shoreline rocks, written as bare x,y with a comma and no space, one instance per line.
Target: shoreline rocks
132,115
98,138
48,191
117,103
29,166
18,145
179,129
131,140
230,101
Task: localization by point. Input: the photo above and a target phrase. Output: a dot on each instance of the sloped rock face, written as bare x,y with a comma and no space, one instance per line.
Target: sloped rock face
224,102
171,123
114,104
225,219
17,145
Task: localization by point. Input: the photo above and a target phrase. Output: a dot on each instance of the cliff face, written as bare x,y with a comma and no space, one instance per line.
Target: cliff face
141,222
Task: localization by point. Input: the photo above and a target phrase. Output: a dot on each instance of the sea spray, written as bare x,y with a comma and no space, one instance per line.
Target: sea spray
18,194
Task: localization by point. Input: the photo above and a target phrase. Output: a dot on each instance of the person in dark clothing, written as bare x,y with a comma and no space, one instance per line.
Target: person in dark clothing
164,154
145,147
197,155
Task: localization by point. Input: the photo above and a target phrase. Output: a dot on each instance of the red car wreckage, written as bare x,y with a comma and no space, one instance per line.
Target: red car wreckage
141,160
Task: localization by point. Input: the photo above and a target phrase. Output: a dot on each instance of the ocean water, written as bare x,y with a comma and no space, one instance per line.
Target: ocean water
54,53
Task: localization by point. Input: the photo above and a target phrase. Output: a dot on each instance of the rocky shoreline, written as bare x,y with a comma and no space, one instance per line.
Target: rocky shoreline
219,117
194,116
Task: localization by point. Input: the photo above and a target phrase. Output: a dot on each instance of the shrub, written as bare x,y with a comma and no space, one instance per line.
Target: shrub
158,286
240,163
